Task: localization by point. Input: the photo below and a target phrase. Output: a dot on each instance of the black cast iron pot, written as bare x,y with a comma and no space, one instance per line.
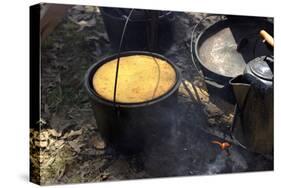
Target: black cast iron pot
239,42
142,32
133,126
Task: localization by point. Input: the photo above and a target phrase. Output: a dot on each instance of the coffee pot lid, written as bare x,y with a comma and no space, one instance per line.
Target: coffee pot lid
263,67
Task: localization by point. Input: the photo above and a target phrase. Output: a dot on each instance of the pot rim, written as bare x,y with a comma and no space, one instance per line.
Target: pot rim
220,25
98,98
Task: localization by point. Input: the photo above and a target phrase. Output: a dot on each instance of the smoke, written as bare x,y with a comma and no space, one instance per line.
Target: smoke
183,148
218,165
235,162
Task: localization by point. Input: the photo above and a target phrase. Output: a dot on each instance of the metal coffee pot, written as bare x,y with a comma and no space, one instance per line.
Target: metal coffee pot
253,121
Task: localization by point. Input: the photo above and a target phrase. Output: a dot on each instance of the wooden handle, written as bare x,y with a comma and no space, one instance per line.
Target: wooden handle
267,37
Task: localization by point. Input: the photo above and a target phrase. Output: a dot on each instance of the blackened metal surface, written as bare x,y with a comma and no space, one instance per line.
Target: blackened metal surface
131,126
139,32
255,126
224,48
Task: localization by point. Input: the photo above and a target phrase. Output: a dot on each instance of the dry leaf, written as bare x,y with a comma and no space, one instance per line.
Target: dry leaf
72,133
41,143
75,145
41,158
43,135
51,141
98,142
103,176
54,133
35,134
59,143
49,162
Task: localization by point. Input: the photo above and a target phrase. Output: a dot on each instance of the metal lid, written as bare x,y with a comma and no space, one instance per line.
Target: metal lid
262,67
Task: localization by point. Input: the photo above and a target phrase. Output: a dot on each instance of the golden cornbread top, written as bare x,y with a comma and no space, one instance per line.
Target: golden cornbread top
140,78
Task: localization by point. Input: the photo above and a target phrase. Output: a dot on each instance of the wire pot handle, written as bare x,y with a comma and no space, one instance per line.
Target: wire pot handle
118,59
118,62
193,39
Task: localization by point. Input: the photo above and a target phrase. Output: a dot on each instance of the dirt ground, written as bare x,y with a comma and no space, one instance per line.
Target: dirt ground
69,148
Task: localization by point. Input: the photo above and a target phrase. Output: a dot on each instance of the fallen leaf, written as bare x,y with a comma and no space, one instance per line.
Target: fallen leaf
43,135
41,143
103,176
98,142
75,145
54,133
72,133
58,143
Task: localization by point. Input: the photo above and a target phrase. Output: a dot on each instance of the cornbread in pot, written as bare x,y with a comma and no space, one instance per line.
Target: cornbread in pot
141,78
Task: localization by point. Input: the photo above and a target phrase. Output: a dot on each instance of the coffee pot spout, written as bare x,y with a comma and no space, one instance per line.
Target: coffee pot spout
240,89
